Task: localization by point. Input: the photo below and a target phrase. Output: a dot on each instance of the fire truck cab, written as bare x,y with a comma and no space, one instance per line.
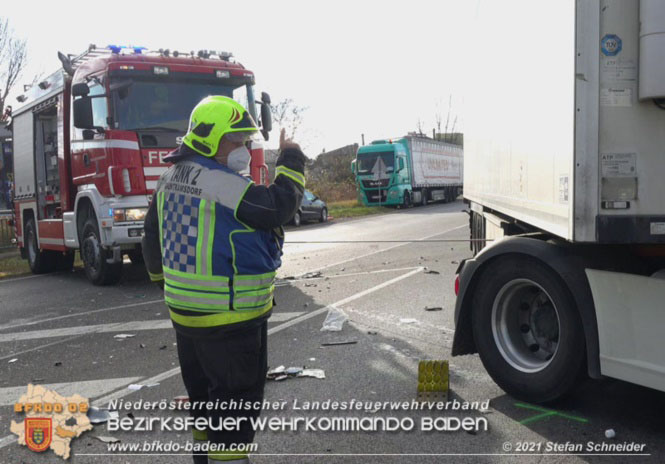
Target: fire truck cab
89,143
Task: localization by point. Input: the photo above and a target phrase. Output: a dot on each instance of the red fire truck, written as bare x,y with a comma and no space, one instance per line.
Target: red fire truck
89,143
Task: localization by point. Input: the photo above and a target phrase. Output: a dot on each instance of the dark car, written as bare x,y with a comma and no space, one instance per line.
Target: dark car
311,209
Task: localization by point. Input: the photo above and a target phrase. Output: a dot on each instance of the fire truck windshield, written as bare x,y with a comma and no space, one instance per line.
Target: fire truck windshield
164,106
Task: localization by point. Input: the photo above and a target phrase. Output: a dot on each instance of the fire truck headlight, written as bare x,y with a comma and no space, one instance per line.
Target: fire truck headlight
161,70
222,74
129,214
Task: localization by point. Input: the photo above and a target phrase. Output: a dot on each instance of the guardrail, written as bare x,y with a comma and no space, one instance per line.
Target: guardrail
7,238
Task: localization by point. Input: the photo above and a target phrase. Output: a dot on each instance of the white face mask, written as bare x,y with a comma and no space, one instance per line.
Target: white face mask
238,159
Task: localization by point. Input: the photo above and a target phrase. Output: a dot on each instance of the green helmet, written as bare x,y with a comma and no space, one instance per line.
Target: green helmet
214,117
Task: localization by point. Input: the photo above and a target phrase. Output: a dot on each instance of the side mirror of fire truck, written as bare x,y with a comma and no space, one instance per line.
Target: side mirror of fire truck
266,115
80,90
83,113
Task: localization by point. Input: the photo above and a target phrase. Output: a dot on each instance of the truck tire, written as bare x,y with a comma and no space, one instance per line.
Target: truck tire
423,197
477,232
406,201
527,329
40,261
97,269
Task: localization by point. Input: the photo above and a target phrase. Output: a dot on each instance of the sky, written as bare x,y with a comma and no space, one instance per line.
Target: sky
361,67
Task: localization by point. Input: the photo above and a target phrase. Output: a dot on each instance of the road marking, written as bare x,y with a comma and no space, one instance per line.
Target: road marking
4,281
84,313
379,251
132,326
122,392
86,388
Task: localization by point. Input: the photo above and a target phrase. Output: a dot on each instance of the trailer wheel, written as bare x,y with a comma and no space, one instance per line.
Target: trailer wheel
40,261
423,197
97,269
527,330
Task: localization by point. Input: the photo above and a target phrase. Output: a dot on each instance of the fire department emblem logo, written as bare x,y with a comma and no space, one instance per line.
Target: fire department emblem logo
38,433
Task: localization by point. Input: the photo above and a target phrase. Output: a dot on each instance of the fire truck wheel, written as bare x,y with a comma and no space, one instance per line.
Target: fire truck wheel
97,269
40,261
527,329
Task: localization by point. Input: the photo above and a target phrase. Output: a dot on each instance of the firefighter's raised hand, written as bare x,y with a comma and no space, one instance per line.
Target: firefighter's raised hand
285,143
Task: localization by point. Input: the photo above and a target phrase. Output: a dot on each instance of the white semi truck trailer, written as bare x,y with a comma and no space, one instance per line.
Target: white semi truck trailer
564,172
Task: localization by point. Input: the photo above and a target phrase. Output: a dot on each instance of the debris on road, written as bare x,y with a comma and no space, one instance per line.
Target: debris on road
281,373
433,308
372,332
610,433
454,262
11,361
334,320
163,347
100,416
181,399
408,320
106,439
341,342
314,373
57,364
431,271
312,359
124,336
312,275
138,386
141,345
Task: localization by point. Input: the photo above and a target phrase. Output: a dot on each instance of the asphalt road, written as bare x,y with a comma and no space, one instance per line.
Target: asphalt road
60,330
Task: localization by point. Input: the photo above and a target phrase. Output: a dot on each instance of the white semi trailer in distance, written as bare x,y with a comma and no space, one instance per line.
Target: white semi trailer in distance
564,172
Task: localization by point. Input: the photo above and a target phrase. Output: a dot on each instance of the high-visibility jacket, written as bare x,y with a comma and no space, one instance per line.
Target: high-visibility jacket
217,269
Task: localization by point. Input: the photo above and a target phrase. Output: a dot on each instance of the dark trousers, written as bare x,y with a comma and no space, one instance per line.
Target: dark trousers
231,365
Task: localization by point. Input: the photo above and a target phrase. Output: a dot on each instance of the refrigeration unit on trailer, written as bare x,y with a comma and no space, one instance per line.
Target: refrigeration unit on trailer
564,168
89,143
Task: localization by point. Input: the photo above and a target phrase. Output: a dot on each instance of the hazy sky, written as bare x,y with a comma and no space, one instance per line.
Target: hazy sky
359,66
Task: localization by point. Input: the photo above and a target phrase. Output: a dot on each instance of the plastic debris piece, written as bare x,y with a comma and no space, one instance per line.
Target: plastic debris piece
610,433
57,364
107,439
408,320
315,373
100,416
141,345
272,373
431,271
434,308
281,377
312,359
123,336
312,275
11,361
341,342
334,320
163,347
293,370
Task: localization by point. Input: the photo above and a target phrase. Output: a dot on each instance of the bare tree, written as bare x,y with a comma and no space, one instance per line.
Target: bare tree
419,127
13,54
286,114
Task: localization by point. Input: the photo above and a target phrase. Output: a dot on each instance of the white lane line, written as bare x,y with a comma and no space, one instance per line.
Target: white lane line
4,281
84,313
122,392
379,251
86,388
132,326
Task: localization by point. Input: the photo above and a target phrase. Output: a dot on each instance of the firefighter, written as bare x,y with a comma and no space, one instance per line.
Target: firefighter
213,240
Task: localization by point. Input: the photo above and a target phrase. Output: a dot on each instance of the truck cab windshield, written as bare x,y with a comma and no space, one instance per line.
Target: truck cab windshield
376,163
164,106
